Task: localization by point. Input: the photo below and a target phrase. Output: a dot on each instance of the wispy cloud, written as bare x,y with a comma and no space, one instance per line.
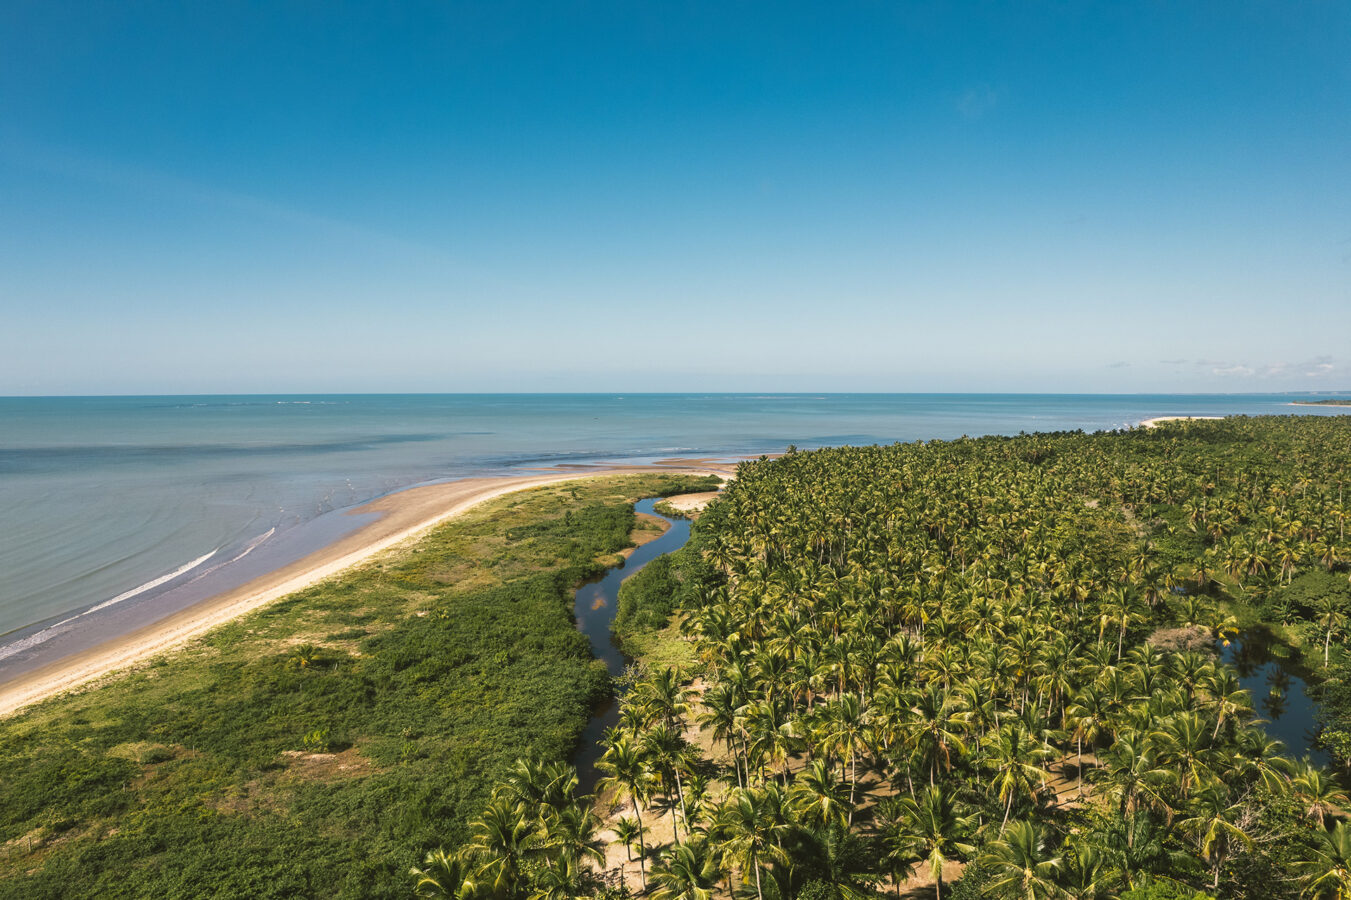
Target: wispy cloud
142,181
1316,367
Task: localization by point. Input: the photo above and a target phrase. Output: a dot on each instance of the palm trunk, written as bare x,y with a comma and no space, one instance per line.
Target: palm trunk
1079,765
642,847
853,783
680,792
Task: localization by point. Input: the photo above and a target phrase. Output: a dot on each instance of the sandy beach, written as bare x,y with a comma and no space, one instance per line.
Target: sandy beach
1154,422
403,516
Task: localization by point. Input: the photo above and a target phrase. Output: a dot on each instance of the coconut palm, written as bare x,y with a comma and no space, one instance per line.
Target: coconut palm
1317,792
1327,871
1023,863
818,797
687,871
445,875
628,831
751,834
933,831
631,777
1212,826
1016,756
503,838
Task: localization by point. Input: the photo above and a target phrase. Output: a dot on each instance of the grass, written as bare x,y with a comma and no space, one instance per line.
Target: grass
319,746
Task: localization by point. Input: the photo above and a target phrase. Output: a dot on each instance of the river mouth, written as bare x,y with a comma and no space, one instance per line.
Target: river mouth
1280,691
595,605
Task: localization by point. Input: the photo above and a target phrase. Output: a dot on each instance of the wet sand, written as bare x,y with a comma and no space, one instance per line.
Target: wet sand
402,516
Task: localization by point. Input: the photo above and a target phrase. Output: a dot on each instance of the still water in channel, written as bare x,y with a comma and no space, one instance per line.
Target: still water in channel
1279,695
596,604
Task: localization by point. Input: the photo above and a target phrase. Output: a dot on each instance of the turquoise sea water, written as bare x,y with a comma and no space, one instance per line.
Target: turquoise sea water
117,511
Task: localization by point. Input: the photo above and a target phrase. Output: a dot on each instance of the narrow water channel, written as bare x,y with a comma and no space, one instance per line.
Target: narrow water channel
595,607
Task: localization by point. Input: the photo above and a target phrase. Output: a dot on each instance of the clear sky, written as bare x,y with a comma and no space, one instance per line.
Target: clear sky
445,196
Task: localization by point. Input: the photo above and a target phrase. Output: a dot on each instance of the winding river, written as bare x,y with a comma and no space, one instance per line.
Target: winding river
595,606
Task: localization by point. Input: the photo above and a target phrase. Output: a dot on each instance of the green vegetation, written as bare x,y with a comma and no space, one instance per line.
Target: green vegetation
1333,401
322,745
995,652
648,600
666,509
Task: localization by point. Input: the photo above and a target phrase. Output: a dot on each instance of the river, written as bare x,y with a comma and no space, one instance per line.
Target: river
595,607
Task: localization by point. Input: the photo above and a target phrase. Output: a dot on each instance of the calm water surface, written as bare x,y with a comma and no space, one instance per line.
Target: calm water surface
1279,694
595,607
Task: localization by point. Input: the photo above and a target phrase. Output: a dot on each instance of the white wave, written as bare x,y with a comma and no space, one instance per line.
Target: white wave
52,631
187,567
254,543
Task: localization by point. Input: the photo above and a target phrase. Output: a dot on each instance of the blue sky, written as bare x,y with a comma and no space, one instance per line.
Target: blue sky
273,197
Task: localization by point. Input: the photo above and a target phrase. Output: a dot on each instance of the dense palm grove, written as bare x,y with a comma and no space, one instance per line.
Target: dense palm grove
994,652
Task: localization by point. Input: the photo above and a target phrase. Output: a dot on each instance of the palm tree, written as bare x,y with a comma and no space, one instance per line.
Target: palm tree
1327,872
819,798
1085,873
1022,863
629,777
936,729
503,837
1088,715
1134,772
628,832
751,835
1214,830
1331,617
1016,757
573,835
1317,792
720,704
845,731
687,871
667,750
445,875
664,696
565,881
536,787
932,830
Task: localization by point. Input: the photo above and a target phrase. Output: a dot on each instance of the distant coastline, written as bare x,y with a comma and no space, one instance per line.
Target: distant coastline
1340,401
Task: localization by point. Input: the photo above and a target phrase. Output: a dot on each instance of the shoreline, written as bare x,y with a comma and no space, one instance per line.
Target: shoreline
403,516
1158,420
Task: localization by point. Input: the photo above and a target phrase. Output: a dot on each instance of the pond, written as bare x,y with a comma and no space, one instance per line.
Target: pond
595,607
1279,694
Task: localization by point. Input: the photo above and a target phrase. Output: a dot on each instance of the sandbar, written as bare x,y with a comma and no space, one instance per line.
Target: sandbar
1154,422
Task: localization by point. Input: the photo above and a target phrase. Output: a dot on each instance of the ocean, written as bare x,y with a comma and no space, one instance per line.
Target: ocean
116,511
